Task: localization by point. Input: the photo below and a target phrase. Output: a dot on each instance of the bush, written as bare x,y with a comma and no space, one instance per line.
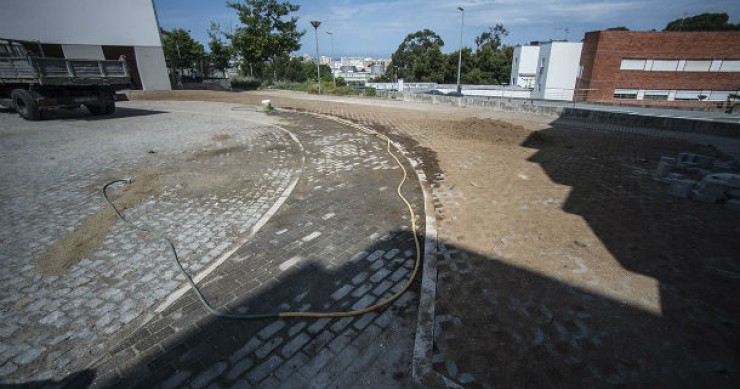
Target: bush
341,81
245,83
370,92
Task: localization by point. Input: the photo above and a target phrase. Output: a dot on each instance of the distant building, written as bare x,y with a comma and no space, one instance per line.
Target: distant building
660,68
524,65
95,29
557,70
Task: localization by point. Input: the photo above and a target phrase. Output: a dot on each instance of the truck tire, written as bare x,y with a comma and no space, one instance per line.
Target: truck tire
25,104
101,109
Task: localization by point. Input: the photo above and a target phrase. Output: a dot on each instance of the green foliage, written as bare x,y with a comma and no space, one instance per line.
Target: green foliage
267,32
418,56
370,92
220,52
492,37
245,83
618,28
341,81
704,22
181,48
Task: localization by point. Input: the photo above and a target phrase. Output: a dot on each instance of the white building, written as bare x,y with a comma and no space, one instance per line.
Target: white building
96,29
557,70
524,66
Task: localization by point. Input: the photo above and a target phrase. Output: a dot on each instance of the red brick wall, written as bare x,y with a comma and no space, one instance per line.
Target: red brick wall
603,52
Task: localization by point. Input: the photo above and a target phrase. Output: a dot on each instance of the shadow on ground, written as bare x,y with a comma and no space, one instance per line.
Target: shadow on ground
538,330
84,114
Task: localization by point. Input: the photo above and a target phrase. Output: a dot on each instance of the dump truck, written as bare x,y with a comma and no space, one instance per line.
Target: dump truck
31,83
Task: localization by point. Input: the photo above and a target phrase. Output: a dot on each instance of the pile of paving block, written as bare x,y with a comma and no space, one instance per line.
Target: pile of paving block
702,178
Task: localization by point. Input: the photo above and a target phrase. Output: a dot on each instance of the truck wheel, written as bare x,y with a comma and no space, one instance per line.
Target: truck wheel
110,108
25,104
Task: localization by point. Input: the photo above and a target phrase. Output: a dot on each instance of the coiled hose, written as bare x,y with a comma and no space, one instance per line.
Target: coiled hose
254,316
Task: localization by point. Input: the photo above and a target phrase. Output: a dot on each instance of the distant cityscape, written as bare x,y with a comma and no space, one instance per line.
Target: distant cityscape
352,69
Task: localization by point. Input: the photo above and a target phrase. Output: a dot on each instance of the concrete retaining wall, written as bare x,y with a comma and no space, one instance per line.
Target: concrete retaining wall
697,126
501,104
731,130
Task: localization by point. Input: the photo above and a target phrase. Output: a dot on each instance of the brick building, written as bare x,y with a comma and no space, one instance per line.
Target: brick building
659,68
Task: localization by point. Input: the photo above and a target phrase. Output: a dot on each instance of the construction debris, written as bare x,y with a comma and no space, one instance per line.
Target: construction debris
702,178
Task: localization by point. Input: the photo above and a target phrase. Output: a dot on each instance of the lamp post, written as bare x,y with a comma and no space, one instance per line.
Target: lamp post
333,75
316,24
459,54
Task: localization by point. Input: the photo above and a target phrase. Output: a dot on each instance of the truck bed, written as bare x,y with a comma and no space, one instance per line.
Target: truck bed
113,74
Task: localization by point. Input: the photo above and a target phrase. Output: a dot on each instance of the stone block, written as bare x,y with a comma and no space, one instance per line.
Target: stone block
733,205
703,197
668,160
680,188
704,161
662,171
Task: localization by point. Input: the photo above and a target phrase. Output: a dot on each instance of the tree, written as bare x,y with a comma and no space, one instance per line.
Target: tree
492,37
415,55
267,32
618,28
221,53
704,22
180,48
468,64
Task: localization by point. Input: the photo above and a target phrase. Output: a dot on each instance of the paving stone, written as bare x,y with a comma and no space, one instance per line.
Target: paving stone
341,292
264,369
379,275
272,329
318,325
268,347
364,320
342,340
237,370
205,377
364,302
294,345
291,366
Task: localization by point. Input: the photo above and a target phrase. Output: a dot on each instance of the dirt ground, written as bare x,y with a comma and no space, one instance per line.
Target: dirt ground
563,261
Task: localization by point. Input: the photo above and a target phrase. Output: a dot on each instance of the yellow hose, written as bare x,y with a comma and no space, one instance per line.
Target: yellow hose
254,316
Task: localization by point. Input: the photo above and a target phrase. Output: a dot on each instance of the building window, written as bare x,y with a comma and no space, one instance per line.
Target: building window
665,65
697,66
687,95
625,94
632,64
656,95
730,66
719,95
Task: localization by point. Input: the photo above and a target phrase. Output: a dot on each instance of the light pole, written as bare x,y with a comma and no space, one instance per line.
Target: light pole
459,55
316,24
333,75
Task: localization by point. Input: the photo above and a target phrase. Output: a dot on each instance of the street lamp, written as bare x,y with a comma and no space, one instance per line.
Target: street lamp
333,75
459,55
316,24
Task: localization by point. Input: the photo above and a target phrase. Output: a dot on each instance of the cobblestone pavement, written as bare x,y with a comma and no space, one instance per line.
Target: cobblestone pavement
340,241
51,174
561,262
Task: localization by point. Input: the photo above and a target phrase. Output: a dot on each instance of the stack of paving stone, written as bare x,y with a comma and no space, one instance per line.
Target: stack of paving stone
702,178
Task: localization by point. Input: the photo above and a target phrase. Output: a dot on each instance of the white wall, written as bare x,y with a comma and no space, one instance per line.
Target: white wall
152,60
524,65
83,51
557,78
82,22
82,27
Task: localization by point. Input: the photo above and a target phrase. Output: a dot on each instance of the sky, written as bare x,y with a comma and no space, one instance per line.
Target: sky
375,28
